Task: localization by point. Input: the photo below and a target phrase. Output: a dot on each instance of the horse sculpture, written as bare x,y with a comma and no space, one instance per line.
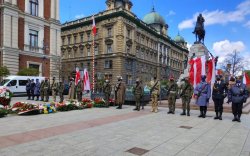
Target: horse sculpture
199,30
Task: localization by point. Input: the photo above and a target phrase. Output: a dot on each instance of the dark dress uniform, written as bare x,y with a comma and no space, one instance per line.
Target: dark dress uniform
219,93
238,95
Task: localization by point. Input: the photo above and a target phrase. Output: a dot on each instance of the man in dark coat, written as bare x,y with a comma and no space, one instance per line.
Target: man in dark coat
238,95
202,94
32,89
28,87
219,93
37,89
138,93
42,90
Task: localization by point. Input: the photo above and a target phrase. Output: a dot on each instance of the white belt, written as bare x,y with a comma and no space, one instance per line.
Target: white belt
173,92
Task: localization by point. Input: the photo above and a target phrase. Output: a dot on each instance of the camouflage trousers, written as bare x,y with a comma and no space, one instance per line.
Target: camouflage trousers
138,102
186,103
61,97
171,102
106,96
42,95
54,95
154,99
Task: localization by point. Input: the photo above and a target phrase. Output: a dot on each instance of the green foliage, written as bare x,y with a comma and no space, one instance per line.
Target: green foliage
28,72
3,112
4,71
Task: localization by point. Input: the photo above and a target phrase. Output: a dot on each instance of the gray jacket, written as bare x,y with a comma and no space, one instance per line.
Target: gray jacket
238,93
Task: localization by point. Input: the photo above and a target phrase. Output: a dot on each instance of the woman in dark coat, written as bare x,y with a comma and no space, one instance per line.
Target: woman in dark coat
37,89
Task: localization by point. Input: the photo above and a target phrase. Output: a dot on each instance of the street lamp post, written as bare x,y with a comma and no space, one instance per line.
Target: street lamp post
45,47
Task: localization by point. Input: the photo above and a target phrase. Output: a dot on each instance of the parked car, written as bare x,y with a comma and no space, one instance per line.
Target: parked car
17,84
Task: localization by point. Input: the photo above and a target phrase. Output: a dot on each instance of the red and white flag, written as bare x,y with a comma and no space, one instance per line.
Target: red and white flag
211,73
86,80
198,68
78,75
246,79
94,26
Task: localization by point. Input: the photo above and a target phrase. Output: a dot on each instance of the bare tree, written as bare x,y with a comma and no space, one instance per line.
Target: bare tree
233,63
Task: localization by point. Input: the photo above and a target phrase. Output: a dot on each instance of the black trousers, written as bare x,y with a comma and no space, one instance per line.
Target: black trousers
203,109
28,93
237,109
218,105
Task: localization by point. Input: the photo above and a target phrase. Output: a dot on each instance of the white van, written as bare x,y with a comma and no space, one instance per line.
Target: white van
17,84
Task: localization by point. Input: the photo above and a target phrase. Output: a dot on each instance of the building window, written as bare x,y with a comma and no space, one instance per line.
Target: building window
33,38
82,38
75,39
36,67
34,7
88,52
129,64
96,50
108,64
88,65
82,52
128,48
129,79
138,53
109,48
128,33
109,31
63,41
142,40
69,40
88,35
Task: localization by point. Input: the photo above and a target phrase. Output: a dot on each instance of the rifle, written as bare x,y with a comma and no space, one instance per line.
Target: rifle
151,90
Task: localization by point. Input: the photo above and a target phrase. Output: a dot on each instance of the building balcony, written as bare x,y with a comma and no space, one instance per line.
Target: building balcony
34,49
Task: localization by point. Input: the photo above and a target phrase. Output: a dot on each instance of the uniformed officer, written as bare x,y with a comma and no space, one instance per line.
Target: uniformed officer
54,88
202,94
107,92
120,91
138,93
238,95
60,91
187,90
46,90
219,93
155,91
79,89
172,93
42,90
28,88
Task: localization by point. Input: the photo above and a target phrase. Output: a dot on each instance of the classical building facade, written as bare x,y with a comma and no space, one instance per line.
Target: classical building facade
124,45
30,36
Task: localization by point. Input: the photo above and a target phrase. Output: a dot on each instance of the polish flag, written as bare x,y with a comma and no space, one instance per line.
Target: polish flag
246,79
86,80
211,71
198,68
94,26
78,75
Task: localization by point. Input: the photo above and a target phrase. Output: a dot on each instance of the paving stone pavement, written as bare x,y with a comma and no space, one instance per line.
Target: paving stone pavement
111,132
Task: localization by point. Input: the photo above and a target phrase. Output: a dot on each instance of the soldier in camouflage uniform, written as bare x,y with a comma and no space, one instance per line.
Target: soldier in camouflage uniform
186,95
138,93
107,92
155,90
42,90
60,91
79,89
46,90
54,88
172,93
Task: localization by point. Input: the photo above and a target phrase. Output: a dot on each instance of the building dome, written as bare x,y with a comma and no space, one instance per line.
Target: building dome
179,39
154,18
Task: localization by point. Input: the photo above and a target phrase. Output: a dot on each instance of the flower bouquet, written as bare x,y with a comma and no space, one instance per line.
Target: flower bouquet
99,102
87,103
67,106
25,108
5,97
47,108
3,112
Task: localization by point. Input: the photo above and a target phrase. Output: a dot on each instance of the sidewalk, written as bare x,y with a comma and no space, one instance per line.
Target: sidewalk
111,132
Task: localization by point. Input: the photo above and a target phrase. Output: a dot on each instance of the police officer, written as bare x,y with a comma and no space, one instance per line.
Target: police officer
238,95
60,91
32,89
54,88
79,89
42,90
155,90
202,94
138,93
172,93
46,90
219,93
187,90
107,92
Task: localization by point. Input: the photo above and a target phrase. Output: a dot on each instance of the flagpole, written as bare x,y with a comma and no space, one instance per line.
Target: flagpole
93,59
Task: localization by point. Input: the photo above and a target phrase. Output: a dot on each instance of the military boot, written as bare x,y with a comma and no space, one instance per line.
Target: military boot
235,118
188,112
204,112
220,116
201,112
184,112
136,108
217,117
239,118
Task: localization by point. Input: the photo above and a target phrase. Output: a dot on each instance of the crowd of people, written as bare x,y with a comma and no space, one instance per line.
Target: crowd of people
235,91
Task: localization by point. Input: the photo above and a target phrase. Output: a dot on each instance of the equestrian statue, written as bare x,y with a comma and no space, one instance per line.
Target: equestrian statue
199,30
